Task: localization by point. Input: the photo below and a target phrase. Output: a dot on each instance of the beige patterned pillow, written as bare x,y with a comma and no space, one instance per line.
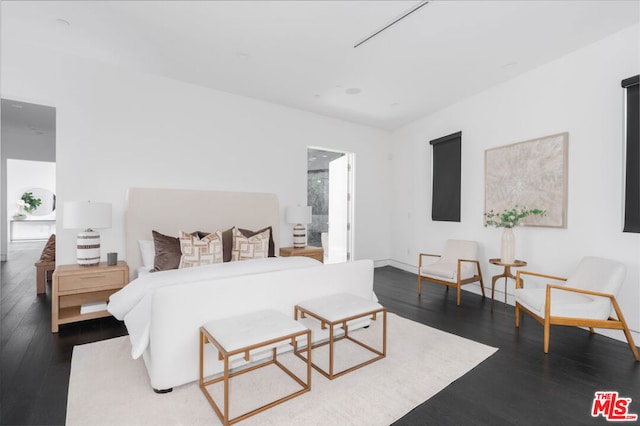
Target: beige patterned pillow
254,247
197,252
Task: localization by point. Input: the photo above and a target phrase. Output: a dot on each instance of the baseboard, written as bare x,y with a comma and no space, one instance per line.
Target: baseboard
404,266
380,263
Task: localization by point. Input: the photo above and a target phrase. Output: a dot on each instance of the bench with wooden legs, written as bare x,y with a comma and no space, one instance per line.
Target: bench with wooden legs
241,335
335,312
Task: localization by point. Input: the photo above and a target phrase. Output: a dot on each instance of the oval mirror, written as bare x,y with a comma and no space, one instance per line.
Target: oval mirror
47,201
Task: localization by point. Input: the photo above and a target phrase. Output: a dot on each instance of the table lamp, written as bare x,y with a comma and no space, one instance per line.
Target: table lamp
299,215
88,216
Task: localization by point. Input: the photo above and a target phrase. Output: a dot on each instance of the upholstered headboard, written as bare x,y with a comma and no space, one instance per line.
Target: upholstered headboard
169,211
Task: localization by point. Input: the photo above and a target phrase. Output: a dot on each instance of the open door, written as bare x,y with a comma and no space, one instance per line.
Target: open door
329,189
338,210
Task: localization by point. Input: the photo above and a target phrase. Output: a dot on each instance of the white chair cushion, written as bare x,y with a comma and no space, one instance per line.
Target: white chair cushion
459,249
339,306
253,328
442,270
564,303
598,274
448,271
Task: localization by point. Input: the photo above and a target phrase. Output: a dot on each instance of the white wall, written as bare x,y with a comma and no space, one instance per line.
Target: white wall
118,129
579,93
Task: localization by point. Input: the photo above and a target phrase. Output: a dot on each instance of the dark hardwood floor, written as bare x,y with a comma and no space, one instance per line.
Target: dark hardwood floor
518,385
34,363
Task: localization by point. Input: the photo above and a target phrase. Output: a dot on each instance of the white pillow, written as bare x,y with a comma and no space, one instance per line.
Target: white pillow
198,252
244,248
147,252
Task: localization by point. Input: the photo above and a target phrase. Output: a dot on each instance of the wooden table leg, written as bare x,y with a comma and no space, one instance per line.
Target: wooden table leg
506,275
493,283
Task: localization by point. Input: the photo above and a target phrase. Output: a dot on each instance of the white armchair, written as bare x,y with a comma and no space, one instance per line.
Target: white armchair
585,299
458,265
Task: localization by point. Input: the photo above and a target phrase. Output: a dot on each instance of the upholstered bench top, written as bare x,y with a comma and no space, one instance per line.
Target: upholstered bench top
251,329
339,306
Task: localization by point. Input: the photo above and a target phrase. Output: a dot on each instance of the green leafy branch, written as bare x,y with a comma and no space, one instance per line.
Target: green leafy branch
509,218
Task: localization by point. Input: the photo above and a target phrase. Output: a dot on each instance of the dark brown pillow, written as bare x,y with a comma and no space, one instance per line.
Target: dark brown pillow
168,251
272,246
49,251
227,243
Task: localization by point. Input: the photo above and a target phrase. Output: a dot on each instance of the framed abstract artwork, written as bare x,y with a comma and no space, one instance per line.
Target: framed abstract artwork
530,174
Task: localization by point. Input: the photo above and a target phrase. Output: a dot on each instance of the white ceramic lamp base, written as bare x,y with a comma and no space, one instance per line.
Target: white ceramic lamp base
299,236
88,248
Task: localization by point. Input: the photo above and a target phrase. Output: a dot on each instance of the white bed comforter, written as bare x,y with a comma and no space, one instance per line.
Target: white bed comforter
132,304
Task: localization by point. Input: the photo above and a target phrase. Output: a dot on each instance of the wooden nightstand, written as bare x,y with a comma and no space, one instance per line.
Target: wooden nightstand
309,251
75,285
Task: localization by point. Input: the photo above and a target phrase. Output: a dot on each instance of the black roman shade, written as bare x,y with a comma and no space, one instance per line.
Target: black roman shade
446,179
632,175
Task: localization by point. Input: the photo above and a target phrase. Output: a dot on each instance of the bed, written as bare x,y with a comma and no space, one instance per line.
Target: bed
164,310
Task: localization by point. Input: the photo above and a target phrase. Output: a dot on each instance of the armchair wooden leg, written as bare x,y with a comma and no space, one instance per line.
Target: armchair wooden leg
480,276
625,328
547,330
458,301
517,315
632,345
419,285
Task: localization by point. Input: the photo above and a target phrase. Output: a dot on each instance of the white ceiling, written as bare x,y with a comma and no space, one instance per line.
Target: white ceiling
301,54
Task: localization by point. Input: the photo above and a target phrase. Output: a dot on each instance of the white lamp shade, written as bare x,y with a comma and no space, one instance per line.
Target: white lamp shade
86,215
298,214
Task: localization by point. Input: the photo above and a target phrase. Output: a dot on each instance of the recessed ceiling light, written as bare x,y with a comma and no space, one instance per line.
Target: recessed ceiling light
352,91
509,65
395,104
63,22
243,55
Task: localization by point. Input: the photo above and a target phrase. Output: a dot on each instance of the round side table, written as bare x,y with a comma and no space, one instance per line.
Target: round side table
506,275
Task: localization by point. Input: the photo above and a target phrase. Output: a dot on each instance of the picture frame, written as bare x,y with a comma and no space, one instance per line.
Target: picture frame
530,174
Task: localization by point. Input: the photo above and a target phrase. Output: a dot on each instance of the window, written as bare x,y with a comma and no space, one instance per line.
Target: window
446,166
632,175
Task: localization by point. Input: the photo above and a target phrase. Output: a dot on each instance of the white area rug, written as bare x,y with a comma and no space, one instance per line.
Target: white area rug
107,387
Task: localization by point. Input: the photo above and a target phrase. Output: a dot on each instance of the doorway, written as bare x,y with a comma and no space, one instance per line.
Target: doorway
28,156
330,195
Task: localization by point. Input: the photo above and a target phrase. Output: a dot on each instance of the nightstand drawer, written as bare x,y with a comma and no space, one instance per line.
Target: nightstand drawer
309,251
91,280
